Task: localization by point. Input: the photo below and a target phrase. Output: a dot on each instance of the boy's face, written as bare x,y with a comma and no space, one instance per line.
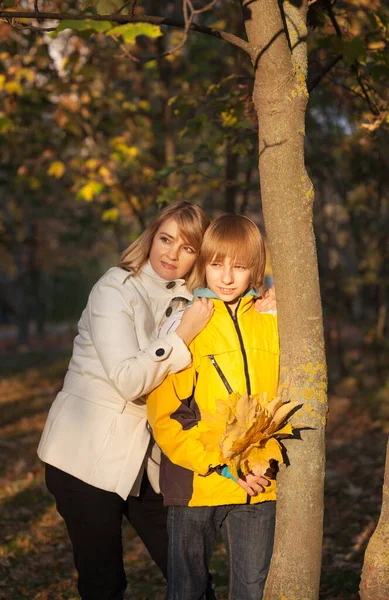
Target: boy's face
228,279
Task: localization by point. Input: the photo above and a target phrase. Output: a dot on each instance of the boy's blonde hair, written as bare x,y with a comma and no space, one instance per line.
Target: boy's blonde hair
236,237
191,221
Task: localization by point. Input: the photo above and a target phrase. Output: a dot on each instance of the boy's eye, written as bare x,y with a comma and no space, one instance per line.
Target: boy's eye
241,267
214,264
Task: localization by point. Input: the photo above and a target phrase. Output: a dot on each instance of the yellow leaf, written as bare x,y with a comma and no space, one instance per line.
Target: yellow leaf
28,74
90,190
129,106
132,151
110,215
147,171
56,169
229,119
13,87
107,176
92,164
135,202
245,426
144,104
258,458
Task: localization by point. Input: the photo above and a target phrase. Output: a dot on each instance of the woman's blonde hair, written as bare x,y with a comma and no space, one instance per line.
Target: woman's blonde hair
191,221
236,237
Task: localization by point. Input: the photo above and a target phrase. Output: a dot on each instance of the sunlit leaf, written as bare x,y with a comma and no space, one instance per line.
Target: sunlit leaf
13,87
229,118
111,215
90,190
245,430
86,25
56,169
130,31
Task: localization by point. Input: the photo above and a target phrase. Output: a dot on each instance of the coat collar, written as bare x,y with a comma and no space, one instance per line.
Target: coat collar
175,288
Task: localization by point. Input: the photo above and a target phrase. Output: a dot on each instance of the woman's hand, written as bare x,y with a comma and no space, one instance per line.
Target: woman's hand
194,319
267,301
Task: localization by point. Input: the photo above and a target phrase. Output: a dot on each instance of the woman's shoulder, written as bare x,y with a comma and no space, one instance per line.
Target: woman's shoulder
117,277
115,283
117,274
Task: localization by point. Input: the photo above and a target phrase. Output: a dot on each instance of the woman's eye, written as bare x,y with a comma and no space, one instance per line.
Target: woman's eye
189,249
214,264
164,239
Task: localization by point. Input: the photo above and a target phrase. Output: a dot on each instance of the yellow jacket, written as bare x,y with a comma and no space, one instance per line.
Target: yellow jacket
232,354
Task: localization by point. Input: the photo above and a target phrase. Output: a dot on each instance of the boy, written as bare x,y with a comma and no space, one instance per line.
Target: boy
237,352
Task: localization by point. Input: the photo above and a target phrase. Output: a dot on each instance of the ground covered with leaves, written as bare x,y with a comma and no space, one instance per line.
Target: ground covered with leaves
35,555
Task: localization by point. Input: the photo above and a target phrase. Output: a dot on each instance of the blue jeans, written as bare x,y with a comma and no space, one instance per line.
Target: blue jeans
248,534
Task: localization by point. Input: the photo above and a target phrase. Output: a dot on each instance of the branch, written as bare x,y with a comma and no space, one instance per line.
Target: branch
334,22
189,13
9,15
131,10
326,69
365,93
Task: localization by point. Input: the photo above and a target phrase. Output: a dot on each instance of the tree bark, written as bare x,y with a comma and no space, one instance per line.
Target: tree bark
277,37
375,571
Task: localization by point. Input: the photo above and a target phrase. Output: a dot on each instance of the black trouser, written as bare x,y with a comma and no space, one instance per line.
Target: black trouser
94,521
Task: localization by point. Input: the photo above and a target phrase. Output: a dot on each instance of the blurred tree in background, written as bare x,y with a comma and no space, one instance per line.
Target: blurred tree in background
99,129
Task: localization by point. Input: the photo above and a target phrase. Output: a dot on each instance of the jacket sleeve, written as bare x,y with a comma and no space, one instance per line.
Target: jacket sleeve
132,372
173,416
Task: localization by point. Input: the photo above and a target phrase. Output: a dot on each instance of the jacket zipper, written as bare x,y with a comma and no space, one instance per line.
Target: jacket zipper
245,363
242,349
220,373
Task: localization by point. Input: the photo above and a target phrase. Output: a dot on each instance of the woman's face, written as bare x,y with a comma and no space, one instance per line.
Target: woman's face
171,256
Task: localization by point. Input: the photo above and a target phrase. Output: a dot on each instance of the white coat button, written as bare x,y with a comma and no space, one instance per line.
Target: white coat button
171,285
160,352
169,311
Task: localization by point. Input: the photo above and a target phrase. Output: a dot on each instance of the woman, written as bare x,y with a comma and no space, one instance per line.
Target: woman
101,462
96,443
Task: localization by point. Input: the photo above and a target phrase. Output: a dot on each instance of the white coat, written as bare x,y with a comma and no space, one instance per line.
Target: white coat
96,429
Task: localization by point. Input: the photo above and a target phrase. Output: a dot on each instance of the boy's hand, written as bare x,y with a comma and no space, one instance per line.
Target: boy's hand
253,484
267,302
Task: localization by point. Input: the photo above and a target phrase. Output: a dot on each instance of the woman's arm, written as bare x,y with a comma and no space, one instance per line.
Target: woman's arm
131,371
134,372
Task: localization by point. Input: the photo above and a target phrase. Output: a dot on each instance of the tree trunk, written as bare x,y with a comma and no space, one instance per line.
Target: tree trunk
375,572
280,97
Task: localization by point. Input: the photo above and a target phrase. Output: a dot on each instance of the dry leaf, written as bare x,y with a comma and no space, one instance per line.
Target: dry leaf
245,430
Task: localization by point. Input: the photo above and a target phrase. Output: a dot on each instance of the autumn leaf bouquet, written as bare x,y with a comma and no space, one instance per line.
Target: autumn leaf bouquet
246,430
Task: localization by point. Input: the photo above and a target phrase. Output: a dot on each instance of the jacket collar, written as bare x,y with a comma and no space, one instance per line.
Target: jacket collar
244,303
207,293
